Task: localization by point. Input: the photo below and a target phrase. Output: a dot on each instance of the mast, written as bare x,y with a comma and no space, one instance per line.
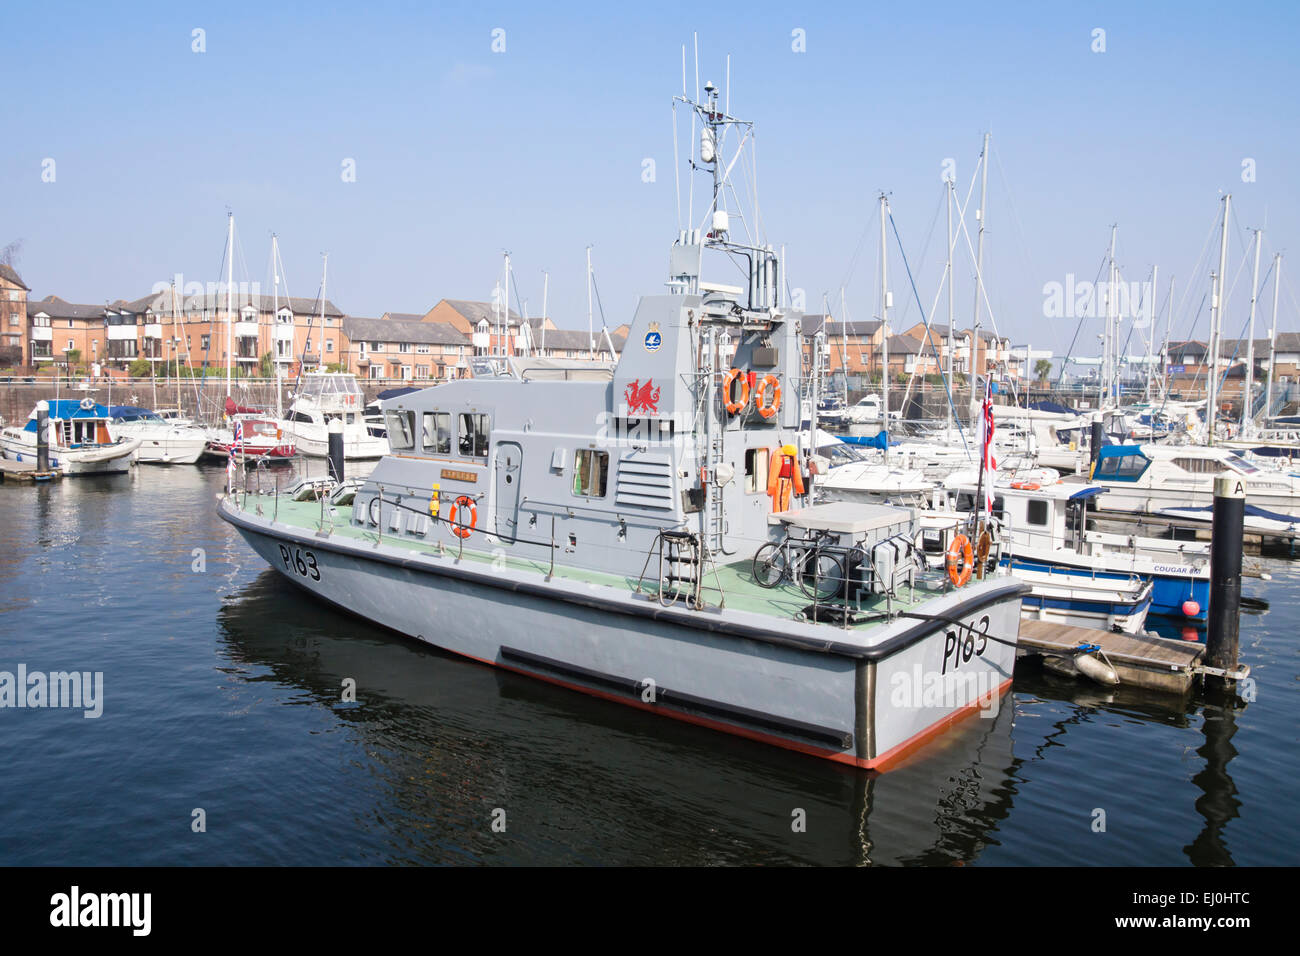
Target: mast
1107,344
230,280
1216,320
591,334
951,339
1151,333
176,349
324,274
1247,401
1169,319
884,324
981,215
275,319
1272,337
546,289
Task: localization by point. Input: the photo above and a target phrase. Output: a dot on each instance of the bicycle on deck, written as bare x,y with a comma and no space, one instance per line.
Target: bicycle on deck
816,562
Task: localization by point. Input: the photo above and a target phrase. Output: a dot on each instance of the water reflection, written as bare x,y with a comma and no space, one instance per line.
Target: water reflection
448,740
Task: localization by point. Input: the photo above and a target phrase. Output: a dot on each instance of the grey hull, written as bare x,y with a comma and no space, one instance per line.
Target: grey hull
807,687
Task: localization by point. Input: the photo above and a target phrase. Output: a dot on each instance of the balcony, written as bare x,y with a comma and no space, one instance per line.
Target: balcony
153,330
246,330
482,340
284,332
42,333
121,333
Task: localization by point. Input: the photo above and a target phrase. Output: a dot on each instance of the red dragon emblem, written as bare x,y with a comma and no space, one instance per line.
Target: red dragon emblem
642,398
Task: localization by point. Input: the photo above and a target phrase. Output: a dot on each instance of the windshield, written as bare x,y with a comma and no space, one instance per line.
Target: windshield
1243,466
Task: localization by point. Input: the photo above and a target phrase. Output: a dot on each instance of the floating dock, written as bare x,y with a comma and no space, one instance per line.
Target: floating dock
1137,660
26,471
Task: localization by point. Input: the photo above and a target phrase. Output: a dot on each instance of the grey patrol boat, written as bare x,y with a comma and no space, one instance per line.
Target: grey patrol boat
646,533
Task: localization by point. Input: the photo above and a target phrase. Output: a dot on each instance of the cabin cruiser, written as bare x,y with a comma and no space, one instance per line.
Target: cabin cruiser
1144,479
79,436
161,442
1046,527
644,534
1109,600
324,396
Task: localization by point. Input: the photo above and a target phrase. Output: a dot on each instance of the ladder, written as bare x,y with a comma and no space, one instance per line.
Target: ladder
679,568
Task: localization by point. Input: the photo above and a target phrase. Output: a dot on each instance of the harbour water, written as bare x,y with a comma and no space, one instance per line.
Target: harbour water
224,687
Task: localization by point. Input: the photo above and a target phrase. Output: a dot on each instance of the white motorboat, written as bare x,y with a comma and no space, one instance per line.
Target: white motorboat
324,396
80,440
1145,479
161,442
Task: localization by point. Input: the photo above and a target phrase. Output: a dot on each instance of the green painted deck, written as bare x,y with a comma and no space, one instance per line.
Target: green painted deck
733,585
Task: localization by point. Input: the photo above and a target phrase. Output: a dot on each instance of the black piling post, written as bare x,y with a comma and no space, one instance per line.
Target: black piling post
42,437
1094,442
1225,577
336,449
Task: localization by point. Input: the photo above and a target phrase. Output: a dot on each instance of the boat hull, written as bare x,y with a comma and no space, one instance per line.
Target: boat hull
867,707
116,458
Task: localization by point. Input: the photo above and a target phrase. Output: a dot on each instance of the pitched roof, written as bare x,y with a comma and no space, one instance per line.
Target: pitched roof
413,331
7,273
904,345
812,324
215,301
57,308
475,312
403,316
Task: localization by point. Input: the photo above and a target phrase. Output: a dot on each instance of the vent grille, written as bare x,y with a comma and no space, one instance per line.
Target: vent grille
644,481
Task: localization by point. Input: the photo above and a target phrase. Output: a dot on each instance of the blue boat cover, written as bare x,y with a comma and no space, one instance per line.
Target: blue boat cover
394,393
880,440
1055,407
1090,492
64,409
128,412
1255,512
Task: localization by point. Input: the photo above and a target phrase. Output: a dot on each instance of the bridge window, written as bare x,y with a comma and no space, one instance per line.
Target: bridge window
401,430
1122,467
437,433
591,469
474,431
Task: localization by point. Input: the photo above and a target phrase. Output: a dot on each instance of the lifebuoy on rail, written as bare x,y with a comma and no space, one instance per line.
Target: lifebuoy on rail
463,529
735,404
768,406
961,560
1026,485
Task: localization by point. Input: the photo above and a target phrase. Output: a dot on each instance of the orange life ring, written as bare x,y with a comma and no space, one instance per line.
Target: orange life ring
960,550
460,529
1026,485
735,405
765,408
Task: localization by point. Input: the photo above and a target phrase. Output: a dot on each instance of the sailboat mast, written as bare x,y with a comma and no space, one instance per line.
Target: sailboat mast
546,289
951,330
275,319
230,280
324,276
1108,336
1247,402
1169,320
591,335
1151,333
1216,321
884,323
982,215
1272,337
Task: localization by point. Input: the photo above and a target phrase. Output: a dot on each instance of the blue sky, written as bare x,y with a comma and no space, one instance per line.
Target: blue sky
462,153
